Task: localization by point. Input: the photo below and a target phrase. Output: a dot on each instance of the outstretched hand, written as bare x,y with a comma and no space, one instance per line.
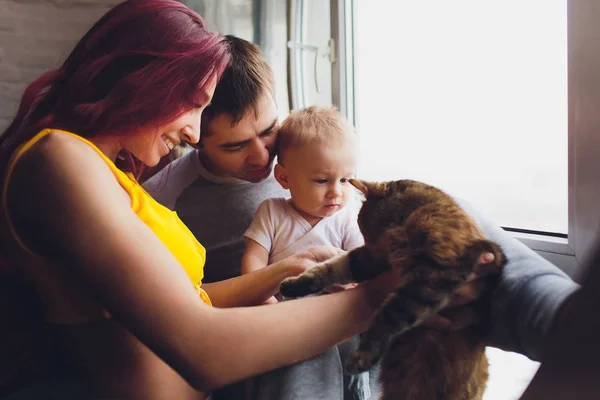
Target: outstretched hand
460,313
307,259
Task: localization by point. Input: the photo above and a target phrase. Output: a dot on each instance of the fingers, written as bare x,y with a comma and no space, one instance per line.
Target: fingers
485,258
454,319
484,267
468,292
322,253
438,322
462,317
339,288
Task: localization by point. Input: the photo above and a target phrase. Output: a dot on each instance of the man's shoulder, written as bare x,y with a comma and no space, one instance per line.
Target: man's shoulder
269,188
167,185
176,170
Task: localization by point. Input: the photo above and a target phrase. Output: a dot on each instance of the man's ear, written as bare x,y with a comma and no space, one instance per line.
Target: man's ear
281,176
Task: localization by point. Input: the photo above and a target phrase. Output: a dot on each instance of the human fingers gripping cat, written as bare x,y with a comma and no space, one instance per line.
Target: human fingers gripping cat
420,231
339,267
343,269
309,259
460,312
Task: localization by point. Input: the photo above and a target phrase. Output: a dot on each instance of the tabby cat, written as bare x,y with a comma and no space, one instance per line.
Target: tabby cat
419,229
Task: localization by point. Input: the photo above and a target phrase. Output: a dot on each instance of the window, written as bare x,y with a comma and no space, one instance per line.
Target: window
495,102
310,53
469,96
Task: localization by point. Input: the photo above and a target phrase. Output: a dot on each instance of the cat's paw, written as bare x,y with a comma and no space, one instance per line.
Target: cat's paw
360,361
299,286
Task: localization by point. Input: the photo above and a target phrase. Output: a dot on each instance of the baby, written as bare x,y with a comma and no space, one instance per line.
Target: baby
316,157
316,153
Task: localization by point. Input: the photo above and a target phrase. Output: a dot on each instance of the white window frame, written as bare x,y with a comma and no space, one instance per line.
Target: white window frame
583,21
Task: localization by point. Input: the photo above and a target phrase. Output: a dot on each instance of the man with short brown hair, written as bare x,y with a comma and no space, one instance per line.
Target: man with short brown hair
216,190
231,169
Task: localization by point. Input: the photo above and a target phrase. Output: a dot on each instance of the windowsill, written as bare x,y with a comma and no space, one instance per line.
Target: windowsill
549,244
554,249
510,374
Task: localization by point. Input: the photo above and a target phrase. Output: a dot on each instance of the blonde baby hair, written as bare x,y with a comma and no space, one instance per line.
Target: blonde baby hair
314,125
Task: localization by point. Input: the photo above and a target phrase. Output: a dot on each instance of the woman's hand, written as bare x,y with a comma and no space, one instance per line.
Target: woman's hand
461,313
305,260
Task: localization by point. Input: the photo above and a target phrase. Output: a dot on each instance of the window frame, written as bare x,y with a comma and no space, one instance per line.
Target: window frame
583,57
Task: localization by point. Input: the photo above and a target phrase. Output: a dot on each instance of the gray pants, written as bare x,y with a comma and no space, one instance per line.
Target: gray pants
320,378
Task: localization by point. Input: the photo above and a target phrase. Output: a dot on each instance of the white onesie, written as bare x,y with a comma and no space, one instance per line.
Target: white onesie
282,231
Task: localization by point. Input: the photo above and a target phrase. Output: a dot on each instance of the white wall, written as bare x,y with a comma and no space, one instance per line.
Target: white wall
35,36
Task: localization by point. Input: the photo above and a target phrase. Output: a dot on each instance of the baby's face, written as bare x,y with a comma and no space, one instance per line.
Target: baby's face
317,177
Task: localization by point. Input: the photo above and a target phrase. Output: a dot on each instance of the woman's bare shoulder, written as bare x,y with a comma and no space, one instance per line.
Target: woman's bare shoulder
59,150
54,180
61,159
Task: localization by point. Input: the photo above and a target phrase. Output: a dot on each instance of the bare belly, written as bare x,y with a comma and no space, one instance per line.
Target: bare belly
117,364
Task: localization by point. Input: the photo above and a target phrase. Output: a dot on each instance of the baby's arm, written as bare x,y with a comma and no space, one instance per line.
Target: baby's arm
255,257
259,239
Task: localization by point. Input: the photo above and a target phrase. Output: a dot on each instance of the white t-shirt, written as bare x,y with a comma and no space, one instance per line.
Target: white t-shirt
282,231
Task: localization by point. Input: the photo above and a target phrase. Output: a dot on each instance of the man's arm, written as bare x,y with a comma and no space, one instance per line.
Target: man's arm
530,292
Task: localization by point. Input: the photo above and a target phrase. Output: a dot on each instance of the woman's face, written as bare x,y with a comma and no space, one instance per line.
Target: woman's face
150,146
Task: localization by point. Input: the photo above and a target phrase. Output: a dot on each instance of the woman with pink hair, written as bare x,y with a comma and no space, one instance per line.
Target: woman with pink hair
119,277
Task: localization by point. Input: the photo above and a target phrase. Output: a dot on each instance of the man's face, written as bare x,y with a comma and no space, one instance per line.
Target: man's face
246,150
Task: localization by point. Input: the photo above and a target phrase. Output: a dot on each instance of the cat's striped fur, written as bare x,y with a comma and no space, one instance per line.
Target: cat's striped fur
419,229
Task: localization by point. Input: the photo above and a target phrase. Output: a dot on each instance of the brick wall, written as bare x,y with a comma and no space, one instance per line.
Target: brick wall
35,36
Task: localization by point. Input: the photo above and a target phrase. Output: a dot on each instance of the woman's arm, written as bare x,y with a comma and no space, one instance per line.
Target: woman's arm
88,223
258,282
529,293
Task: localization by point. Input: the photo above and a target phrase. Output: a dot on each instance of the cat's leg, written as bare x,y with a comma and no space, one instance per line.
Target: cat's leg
357,265
403,310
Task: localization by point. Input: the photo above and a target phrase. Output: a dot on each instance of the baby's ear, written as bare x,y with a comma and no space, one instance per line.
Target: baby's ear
376,189
281,176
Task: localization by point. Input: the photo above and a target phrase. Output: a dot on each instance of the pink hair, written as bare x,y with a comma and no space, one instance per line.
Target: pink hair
142,65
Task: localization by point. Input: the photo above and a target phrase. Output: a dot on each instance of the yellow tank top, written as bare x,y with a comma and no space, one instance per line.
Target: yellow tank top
163,222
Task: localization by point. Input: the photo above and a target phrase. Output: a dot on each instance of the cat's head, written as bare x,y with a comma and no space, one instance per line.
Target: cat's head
389,203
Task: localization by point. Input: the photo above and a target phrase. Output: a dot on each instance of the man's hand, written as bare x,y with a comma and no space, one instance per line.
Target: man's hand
459,313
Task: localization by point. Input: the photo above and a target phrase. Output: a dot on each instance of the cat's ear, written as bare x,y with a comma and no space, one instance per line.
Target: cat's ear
281,176
376,189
